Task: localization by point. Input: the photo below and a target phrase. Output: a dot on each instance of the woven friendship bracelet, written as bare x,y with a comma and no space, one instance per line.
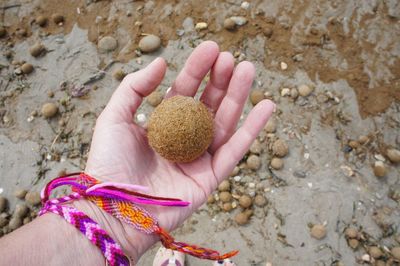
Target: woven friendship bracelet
121,201
111,250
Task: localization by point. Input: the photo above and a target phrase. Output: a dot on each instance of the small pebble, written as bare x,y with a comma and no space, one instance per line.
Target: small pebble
354,144
256,147
20,193
149,43
15,223
201,26
305,90
107,44
260,201
155,98
253,162
33,198
224,186
21,210
294,93
363,139
37,49
242,218
318,231
396,252
245,5
256,96
210,199
229,24
284,66
351,232
227,207
41,21
240,21
49,110
280,148
245,201
57,18
366,258
270,127
119,74
393,155
27,68
141,118
379,169
237,178
276,163
375,252
3,204
225,196
353,243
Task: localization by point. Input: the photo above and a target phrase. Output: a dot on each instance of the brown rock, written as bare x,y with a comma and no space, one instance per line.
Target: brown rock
229,24
37,49
27,68
280,148
270,127
353,243
354,144
363,139
149,43
260,201
227,207
305,90
245,201
253,162
21,210
41,21
379,169
318,231
256,96
155,98
351,232
210,199
375,252
225,196
242,218
396,253
393,155
49,110
256,147
20,193
224,186
33,198
277,163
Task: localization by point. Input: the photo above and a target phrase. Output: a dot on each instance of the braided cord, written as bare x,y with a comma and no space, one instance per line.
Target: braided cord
111,250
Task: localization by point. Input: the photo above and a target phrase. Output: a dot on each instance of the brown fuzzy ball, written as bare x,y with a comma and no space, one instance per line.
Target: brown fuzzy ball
180,129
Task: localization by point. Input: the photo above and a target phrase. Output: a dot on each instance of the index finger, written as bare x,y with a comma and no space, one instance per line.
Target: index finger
196,68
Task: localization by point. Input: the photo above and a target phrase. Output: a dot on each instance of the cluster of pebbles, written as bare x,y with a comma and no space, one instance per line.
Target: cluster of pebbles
24,212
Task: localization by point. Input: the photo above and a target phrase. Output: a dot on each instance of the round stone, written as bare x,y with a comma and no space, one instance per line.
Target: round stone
280,148
41,21
15,223
245,201
277,163
353,243
49,110
119,74
37,49
224,186
253,162
155,98
379,169
229,24
225,196
27,68
107,44
305,90
393,155
256,96
21,210
351,232
260,201
242,218
150,43
256,147
33,198
318,231
20,193
375,252
270,127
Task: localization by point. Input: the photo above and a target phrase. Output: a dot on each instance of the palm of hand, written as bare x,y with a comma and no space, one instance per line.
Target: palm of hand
120,151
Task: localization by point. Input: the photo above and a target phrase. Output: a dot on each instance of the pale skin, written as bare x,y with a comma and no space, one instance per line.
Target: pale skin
120,152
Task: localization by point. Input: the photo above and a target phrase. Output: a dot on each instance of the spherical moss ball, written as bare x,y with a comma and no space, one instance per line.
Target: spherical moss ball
180,129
